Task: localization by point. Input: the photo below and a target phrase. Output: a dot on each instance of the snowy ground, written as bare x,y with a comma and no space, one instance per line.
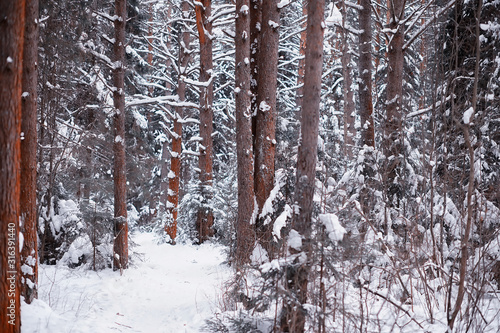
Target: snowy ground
170,289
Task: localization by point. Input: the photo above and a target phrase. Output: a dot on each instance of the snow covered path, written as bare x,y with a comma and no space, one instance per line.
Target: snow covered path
170,289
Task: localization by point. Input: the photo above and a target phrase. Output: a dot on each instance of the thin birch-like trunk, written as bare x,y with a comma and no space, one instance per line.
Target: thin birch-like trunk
28,213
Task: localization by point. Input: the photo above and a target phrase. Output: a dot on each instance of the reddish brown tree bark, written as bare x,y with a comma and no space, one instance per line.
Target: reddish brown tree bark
175,158
378,9
150,43
205,217
294,313
466,128
28,213
11,55
393,144
244,146
120,260
366,107
265,129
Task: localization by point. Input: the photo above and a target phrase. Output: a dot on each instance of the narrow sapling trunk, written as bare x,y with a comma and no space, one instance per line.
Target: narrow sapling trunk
246,200
205,217
28,213
11,60
174,175
294,313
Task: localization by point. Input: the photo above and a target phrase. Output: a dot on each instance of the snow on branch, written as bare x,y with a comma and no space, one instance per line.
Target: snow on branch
183,104
190,152
351,29
166,112
280,222
189,121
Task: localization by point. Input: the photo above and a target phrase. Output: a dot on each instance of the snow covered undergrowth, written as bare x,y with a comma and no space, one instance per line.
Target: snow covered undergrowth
167,289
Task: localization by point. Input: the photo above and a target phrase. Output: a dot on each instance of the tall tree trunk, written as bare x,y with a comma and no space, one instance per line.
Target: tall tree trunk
11,57
302,59
423,65
28,213
205,217
365,73
265,129
119,175
163,202
244,145
175,159
164,182
294,314
349,106
393,145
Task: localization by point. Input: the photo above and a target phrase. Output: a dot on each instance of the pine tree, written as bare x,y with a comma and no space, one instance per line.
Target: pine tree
265,122
205,217
175,157
11,56
244,146
294,313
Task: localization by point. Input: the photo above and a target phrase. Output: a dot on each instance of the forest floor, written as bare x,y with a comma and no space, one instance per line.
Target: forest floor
166,289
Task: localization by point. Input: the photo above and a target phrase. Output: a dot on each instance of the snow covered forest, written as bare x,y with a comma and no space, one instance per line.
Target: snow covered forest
249,166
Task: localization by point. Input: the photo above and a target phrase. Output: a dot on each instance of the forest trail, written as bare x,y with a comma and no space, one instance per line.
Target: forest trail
166,289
